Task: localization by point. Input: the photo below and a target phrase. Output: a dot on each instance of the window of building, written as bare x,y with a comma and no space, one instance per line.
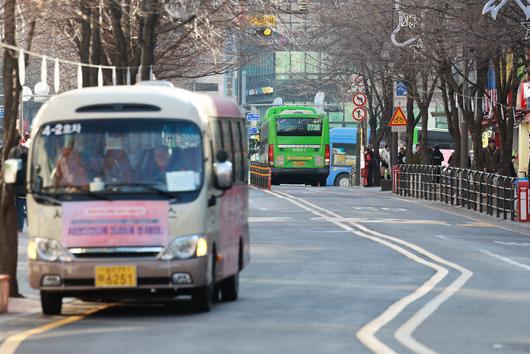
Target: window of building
441,122
289,64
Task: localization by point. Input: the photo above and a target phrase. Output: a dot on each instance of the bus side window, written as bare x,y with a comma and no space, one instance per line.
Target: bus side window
219,136
264,142
233,152
242,138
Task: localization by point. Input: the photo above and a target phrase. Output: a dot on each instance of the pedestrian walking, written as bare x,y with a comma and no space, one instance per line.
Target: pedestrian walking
437,157
491,157
369,165
20,152
385,162
416,157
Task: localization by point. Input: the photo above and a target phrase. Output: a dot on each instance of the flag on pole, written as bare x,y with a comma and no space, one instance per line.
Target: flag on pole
490,96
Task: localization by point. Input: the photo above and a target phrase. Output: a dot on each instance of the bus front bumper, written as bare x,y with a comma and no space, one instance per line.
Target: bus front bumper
77,278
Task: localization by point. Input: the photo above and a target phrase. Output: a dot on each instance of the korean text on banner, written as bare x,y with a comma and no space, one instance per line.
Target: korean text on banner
115,224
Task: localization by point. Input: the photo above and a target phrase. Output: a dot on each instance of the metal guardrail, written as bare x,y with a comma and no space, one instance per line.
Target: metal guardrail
475,190
260,175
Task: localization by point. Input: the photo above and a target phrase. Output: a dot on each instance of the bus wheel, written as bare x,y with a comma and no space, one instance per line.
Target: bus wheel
203,297
51,303
230,288
343,181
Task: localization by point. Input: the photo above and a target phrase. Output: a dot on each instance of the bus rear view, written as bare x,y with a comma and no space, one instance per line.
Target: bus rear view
297,142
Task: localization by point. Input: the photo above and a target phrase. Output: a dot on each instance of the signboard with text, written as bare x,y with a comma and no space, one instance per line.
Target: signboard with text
115,224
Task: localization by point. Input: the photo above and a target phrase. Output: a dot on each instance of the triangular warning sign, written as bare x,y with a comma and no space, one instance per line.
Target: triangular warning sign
398,119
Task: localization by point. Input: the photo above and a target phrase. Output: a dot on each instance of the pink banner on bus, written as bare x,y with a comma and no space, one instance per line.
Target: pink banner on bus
115,224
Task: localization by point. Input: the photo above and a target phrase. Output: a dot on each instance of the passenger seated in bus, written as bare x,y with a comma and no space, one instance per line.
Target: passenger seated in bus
154,165
117,167
69,169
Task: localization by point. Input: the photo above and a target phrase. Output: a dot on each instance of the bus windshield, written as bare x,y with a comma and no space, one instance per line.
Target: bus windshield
299,126
122,155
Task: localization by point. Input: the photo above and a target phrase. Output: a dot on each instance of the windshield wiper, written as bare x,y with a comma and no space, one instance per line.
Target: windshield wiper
150,187
46,198
94,195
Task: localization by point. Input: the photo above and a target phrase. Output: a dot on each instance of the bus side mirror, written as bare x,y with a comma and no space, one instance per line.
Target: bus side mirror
223,171
11,167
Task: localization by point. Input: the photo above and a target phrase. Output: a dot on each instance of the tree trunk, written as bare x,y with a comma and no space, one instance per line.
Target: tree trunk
410,127
150,36
95,45
8,215
84,45
425,156
122,55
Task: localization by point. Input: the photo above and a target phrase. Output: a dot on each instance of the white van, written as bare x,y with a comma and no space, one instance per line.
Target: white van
137,192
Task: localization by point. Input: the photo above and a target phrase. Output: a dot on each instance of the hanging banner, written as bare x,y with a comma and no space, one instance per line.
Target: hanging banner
100,77
139,74
79,77
21,68
43,71
56,78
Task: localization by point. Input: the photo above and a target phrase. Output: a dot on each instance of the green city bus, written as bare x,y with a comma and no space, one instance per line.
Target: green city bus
294,140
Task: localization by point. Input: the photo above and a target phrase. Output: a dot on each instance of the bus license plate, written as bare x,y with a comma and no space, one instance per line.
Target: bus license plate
115,276
299,163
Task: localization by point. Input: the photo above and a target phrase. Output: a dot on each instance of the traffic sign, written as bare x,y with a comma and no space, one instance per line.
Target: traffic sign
253,116
359,99
253,131
401,88
399,129
359,113
398,118
359,81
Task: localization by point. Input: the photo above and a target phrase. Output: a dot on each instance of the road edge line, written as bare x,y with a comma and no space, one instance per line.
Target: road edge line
11,343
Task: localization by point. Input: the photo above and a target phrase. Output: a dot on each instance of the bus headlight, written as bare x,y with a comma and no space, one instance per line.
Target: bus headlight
184,248
49,250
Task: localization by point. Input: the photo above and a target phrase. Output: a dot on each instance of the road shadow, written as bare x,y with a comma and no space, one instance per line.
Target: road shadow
150,309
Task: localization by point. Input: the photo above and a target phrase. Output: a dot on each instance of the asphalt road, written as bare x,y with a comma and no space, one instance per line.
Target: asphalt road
333,270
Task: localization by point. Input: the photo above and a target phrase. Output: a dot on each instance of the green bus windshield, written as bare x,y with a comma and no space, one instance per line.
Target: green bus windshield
298,126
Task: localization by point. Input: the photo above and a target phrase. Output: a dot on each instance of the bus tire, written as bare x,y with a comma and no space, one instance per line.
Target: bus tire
230,288
203,297
343,180
51,303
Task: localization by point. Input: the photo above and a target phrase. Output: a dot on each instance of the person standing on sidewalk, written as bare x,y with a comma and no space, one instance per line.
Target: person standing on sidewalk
20,152
385,162
437,157
416,157
402,156
492,157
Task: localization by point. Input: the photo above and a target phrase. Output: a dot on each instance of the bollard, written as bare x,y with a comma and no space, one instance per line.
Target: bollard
4,293
523,214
